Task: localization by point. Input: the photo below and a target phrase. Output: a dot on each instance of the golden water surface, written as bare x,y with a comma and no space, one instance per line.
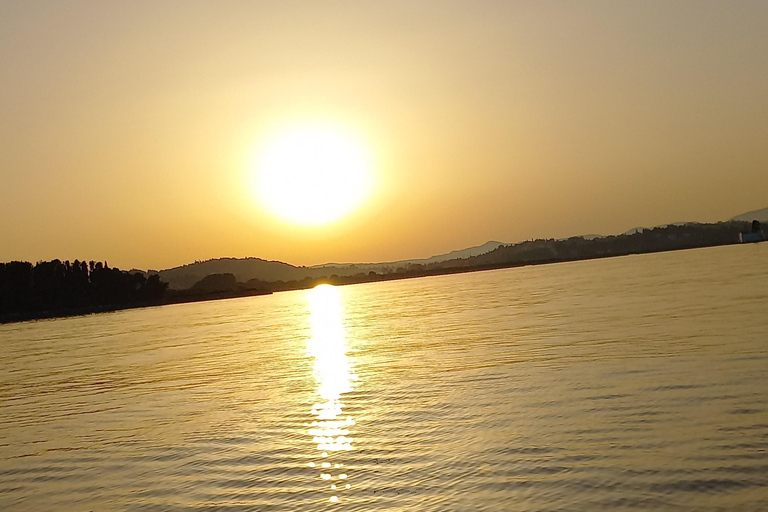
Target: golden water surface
634,383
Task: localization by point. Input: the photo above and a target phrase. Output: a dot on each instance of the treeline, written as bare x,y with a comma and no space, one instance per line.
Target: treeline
531,252
659,239
542,251
55,288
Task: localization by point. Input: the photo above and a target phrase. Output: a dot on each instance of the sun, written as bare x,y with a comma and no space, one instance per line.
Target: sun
313,174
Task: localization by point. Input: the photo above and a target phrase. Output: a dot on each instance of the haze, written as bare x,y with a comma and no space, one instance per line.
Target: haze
126,129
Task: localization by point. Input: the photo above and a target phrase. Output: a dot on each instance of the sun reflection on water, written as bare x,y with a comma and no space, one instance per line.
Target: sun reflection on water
329,428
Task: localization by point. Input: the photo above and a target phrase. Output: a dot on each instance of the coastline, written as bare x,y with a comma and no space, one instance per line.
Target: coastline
67,313
187,296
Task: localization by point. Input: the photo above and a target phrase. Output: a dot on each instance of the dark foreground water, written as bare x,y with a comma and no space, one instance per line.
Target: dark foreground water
634,383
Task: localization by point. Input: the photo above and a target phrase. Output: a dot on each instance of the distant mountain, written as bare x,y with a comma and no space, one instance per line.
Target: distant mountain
758,215
246,269
180,278
462,253
634,231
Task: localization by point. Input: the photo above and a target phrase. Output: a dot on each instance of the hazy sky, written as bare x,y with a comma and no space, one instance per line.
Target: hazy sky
127,128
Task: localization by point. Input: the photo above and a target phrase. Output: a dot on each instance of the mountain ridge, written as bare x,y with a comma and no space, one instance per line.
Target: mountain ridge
258,269
760,215
458,253
250,268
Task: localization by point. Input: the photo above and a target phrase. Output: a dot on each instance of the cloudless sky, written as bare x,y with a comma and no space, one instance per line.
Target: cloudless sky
127,128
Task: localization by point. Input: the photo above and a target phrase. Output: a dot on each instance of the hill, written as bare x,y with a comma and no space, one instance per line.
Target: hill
245,269
759,215
248,269
257,270
460,254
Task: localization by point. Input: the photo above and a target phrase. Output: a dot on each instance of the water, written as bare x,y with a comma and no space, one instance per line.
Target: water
634,383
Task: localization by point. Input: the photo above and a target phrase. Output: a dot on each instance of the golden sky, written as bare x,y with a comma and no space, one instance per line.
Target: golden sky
128,129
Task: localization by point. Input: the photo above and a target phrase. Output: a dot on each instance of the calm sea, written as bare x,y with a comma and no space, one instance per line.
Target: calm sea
633,383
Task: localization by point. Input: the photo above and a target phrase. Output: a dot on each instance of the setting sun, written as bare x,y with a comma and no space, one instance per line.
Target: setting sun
384,255
312,175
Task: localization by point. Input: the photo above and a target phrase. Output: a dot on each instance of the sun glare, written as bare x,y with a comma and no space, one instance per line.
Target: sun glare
312,175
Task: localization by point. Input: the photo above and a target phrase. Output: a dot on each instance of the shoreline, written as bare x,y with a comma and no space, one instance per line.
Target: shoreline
68,313
184,297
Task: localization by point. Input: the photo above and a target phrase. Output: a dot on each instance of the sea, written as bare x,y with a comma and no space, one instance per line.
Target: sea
630,383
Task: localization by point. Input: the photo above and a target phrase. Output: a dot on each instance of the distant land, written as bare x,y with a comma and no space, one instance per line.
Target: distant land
258,270
247,269
50,289
462,253
758,215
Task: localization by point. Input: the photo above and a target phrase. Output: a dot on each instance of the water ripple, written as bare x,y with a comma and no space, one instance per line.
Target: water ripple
622,384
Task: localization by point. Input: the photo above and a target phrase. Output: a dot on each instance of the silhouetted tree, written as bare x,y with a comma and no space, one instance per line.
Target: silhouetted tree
52,287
